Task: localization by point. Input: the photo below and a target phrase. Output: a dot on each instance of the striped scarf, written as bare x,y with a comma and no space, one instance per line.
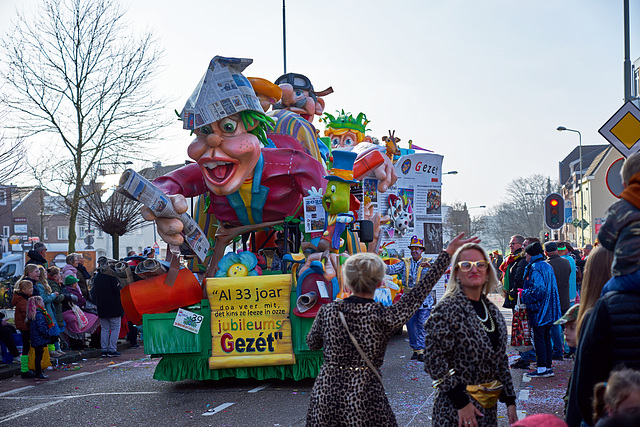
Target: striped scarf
46,316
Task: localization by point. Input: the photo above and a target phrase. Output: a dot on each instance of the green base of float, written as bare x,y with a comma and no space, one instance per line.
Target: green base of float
178,368
185,355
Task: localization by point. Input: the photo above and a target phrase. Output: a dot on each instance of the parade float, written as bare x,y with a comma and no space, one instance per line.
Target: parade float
261,175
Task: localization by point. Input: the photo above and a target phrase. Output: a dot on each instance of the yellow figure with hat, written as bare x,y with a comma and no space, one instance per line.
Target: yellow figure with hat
337,201
412,270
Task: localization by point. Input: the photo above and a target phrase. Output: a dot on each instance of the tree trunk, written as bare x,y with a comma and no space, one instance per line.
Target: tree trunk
73,216
115,243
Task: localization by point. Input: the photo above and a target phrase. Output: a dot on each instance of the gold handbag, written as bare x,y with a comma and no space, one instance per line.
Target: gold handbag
486,394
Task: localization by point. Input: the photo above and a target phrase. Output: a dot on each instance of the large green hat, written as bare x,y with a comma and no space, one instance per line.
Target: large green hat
70,280
346,121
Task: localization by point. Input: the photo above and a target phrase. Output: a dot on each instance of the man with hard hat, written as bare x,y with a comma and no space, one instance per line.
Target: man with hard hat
412,269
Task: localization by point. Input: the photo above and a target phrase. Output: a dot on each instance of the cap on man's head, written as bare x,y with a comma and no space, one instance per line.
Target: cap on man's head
570,316
534,249
550,247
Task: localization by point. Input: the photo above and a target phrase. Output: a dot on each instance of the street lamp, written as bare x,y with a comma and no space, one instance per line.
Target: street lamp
450,173
560,129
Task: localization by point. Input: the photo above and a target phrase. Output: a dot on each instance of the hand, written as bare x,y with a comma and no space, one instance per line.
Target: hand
467,416
345,217
169,228
74,298
425,264
512,414
386,175
315,192
458,242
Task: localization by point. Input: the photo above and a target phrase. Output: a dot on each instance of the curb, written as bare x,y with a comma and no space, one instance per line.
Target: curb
13,369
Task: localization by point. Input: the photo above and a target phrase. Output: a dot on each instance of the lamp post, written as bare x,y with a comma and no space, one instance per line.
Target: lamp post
468,230
560,129
450,173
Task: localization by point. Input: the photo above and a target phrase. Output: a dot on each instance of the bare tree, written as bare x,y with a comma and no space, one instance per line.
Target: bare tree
78,75
459,221
12,153
110,211
522,212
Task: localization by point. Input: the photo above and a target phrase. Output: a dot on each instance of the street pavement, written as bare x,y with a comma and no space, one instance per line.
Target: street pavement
121,392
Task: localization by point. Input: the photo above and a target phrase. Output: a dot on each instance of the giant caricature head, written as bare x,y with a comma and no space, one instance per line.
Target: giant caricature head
299,97
230,126
337,198
344,130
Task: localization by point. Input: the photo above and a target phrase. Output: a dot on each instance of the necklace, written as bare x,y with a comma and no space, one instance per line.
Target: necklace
486,317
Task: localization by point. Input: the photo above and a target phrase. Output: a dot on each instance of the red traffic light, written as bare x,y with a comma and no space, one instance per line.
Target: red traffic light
553,202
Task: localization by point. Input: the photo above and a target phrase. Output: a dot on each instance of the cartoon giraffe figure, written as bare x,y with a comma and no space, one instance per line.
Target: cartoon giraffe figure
392,144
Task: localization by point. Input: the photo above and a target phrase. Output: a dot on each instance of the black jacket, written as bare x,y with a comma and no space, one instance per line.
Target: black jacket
562,269
610,338
36,258
107,294
515,272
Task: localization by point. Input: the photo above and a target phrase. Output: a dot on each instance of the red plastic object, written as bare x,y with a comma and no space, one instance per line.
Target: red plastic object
152,295
367,163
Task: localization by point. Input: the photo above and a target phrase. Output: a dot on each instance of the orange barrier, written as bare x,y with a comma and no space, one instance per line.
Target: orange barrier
152,295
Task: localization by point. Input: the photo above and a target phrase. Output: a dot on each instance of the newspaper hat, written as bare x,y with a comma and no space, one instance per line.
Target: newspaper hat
342,169
222,91
417,243
306,301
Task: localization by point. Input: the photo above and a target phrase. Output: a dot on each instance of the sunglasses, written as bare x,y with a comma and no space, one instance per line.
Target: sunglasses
467,265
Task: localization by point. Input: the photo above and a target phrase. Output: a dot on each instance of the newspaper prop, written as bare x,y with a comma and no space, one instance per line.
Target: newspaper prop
123,273
314,214
188,321
150,268
226,92
138,188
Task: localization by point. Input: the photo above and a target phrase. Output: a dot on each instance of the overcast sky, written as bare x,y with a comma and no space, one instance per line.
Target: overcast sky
484,83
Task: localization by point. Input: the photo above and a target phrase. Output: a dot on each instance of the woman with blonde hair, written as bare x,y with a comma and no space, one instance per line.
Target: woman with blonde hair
466,346
354,334
32,274
597,272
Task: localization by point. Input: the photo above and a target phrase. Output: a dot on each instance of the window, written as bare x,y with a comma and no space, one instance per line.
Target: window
63,232
82,232
5,230
129,249
100,233
45,235
3,198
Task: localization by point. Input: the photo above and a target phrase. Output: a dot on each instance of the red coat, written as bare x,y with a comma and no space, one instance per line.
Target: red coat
286,176
19,301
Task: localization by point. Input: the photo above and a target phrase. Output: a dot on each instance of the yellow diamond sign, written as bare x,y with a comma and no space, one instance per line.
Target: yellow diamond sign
622,130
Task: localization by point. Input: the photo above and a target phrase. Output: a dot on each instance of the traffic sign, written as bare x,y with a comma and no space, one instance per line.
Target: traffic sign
583,224
568,211
622,130
575,222
614,180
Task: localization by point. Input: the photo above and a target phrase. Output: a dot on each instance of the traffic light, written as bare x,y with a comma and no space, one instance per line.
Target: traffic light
554,211
546,236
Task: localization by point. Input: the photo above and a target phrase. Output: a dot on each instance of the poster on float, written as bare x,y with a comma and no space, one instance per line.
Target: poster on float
249,321
414,204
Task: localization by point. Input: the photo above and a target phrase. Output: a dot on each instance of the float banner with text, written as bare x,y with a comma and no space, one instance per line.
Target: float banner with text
249,321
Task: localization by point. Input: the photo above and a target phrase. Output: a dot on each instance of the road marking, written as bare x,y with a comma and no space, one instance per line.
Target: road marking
257,389
217,409
524,395
17,390
30,410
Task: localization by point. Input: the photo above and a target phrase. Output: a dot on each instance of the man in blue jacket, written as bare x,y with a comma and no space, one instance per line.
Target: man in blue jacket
540,294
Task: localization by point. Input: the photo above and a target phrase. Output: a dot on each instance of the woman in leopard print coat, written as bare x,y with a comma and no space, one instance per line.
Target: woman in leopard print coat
467,333
347,392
